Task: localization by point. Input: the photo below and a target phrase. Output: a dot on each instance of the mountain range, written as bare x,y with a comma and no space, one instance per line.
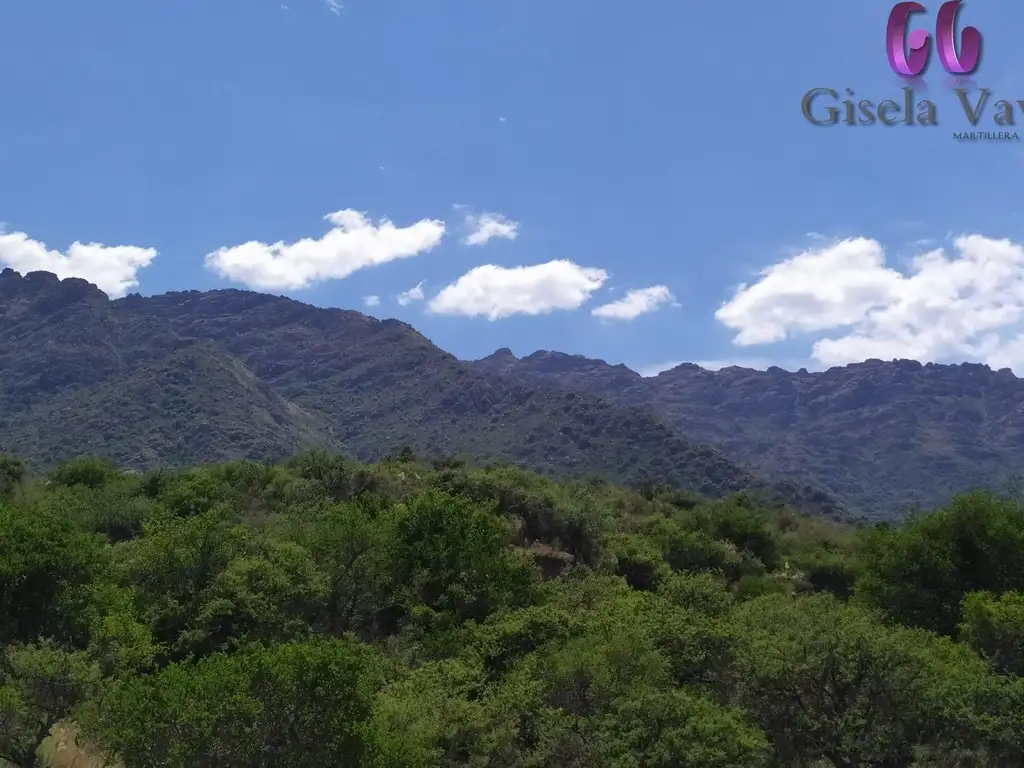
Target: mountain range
880,437
191,377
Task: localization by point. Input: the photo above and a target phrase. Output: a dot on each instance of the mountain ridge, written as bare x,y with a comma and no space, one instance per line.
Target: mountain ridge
506,356
82,371
879,436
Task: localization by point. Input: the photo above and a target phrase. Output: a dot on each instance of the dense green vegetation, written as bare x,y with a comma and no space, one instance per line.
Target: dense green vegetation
328,613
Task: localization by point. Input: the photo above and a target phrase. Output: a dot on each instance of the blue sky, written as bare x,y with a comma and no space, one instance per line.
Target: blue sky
653,145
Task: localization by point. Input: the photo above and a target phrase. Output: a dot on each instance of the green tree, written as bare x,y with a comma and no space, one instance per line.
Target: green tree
120,640
351,546
88,471
505,640
47,567
679,728
639,561
270,594
742,524
994,626
704,593
12,474
196,492
435,717
828,680
294,705
205,584
171,567
920,574
451,556
609,696
40,685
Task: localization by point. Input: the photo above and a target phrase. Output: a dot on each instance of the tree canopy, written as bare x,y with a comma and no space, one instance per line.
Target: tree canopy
323,612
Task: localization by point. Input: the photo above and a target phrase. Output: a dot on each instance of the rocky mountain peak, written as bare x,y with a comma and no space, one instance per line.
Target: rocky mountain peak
44,293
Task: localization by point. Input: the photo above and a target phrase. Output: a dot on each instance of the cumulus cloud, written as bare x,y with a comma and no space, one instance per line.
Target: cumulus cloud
964,305
353,243
487,226
113,269
371,301
413,294
496,292
640,301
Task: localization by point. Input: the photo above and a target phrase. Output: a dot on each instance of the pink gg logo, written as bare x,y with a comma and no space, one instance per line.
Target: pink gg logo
909,53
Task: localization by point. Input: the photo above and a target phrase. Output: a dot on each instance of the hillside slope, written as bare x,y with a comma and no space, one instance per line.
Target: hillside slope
880,436
196,404
200,376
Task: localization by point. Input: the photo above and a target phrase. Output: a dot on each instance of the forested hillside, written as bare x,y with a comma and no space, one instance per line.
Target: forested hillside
402,615
194,377
879,436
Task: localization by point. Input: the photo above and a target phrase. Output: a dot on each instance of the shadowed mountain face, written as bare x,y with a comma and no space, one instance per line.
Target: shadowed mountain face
879,436
191,377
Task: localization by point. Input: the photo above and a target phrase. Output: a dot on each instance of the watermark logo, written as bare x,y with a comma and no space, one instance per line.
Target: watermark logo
909,54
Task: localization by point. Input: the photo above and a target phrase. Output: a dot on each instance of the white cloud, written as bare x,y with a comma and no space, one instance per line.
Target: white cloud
640,301
496,292
487,226
413,294
371,301
113,269
352,244
968,305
